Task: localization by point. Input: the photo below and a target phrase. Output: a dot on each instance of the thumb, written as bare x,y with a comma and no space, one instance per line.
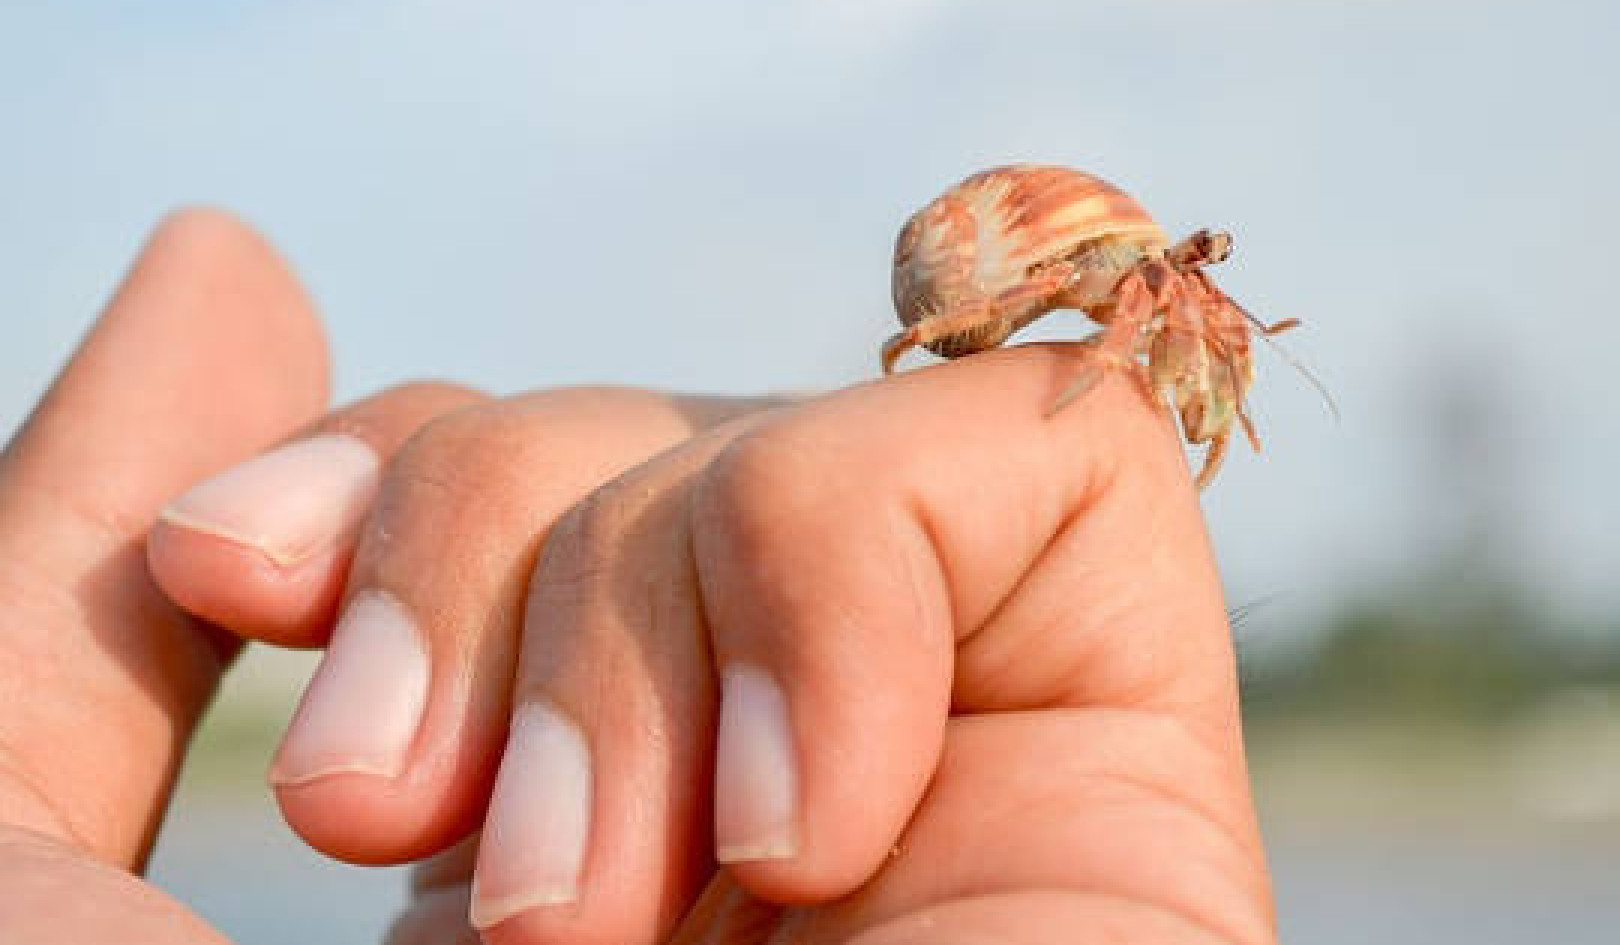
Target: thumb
208,352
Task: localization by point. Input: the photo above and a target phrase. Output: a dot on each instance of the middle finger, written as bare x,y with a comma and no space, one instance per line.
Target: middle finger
597,828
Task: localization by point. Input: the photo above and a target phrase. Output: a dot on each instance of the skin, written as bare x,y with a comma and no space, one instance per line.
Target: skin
1001,636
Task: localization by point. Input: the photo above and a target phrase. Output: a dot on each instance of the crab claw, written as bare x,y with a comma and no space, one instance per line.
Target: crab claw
1177,365
1217,408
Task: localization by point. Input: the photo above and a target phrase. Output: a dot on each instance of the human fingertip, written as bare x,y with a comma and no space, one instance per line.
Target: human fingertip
365,703
756,771
237,588
537,829
287,504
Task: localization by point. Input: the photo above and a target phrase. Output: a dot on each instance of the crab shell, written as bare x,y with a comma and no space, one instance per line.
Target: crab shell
1008,245
978,243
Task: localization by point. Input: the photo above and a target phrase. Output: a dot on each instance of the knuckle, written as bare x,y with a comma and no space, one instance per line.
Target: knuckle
771,481
582,544
627,537
432,392
605,583
479,457
385,418
473,438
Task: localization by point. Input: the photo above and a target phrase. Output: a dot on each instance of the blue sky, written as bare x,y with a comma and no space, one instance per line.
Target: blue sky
704,194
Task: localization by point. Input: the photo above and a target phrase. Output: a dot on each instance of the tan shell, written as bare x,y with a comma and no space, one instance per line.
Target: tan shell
982,237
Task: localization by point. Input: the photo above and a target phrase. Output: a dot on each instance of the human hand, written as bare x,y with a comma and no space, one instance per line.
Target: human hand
955,671
208,354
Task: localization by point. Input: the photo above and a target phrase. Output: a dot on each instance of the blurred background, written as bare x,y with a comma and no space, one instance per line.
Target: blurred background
703,194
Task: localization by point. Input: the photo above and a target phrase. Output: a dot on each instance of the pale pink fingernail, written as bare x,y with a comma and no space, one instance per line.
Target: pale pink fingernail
364,705
756,776
288,503
535,834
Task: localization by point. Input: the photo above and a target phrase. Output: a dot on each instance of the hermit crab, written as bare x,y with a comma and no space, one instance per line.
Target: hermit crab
1007,245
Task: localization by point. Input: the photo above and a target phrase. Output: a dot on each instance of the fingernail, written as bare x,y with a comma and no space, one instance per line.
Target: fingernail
364,704
533,847
756,778
288,503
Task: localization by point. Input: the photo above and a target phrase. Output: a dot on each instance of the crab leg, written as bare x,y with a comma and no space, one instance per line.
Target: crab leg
1116,346
1212,461
1012,310
933,329
1199,359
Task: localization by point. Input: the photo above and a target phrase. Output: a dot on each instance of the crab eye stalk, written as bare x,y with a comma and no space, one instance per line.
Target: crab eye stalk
1214,246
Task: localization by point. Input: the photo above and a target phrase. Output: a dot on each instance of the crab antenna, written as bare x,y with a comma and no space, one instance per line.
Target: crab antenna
1293,362
1239,615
